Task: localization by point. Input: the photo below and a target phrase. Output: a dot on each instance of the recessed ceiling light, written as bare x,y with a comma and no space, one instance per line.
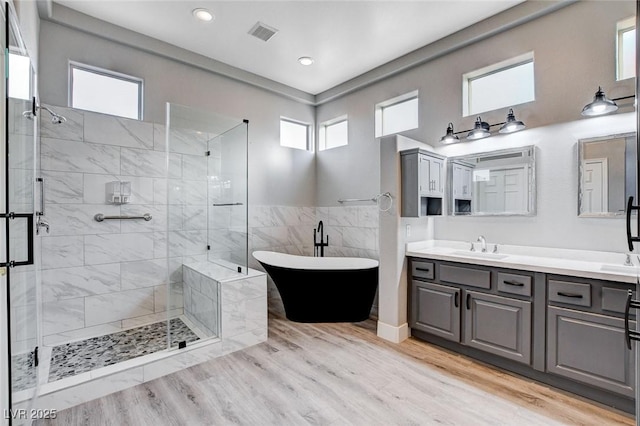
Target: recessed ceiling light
305,60
203,15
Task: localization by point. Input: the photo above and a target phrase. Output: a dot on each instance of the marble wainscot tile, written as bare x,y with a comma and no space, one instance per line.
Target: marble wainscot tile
71,130
111,130
259,239
95,189
63,187
343,216
243,340
183,141
151,318
175,300
66,156
261,216
61,252
293,216
175,166
220,217
107,308
204,312
194,167
177,219
145,273
368,216
362,238
19,123
109,248
160,190
78,219
175,191
160,245
322,214
63,315
70,283
187,243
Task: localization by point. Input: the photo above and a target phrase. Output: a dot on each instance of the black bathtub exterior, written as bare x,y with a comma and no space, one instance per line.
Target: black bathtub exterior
325,295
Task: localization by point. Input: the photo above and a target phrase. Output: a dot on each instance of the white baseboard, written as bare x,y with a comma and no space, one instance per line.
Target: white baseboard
392,333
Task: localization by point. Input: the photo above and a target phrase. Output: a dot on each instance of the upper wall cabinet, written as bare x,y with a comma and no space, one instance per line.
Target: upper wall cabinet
607,174
422,183
493,183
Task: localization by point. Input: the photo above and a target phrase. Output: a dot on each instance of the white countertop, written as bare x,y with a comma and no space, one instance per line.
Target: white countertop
579,263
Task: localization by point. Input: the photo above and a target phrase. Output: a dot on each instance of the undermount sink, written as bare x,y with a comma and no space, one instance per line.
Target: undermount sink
480,255
632,270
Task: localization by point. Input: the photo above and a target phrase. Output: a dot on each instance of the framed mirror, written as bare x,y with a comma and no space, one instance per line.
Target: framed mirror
606,174
496,183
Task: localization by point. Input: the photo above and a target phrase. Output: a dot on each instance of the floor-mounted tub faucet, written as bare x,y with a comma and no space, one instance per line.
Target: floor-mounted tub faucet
483,243
318,247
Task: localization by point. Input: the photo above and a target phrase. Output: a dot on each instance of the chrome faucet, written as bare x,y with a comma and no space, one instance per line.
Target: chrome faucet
483,243
628,261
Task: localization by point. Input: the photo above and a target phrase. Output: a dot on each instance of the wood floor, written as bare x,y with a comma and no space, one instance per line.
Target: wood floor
339,374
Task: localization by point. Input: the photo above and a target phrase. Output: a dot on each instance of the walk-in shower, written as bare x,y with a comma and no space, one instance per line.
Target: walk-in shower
110,280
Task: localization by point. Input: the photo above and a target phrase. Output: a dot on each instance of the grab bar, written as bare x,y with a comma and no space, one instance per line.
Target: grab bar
100,217
227,204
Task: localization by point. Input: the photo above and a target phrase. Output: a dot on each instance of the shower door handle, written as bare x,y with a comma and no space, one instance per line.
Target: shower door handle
41,211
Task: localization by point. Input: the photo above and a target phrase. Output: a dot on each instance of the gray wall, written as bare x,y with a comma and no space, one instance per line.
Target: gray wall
574,53
276,175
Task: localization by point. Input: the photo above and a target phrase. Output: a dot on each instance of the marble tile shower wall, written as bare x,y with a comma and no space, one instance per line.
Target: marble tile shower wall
102,277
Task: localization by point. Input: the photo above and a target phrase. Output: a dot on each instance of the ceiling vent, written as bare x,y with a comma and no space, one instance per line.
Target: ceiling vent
262,31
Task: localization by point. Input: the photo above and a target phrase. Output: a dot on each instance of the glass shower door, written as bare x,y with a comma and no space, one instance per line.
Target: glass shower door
17,216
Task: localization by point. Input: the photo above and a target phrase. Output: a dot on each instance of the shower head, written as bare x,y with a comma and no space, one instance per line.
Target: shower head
55,118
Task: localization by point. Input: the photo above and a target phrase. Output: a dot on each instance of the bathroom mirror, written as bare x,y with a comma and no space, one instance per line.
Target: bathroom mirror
496,183
606,174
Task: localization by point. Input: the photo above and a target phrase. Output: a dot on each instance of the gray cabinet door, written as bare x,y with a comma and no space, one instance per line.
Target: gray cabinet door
590,348
436,309
499,325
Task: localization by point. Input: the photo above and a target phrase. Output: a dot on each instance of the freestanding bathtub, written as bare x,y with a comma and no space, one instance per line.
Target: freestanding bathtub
322,289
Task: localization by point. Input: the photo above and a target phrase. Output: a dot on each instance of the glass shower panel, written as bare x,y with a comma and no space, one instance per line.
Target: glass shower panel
196,139
227,166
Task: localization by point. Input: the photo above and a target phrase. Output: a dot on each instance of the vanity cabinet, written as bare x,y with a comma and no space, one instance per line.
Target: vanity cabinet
448,308
422,183
562,330
585,333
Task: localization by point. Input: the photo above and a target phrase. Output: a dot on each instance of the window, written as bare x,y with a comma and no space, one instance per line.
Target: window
334,133
294,134
19,76
500,85
397,114
108,92
626,47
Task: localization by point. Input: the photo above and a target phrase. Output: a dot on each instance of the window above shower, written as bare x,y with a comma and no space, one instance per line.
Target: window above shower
108,92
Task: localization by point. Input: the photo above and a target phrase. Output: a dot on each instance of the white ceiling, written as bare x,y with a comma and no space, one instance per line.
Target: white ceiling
346,38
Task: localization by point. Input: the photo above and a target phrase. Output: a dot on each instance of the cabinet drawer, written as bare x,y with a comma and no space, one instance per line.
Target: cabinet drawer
615,299
421,269
570,293
466,276
514,284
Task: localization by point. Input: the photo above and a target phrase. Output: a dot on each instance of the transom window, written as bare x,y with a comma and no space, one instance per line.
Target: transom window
108,92
500,85
294,134
334,133
397,114
19,76
626,49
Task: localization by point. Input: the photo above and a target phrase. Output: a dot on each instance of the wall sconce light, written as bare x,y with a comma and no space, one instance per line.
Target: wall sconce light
450,137
481,129
601,104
